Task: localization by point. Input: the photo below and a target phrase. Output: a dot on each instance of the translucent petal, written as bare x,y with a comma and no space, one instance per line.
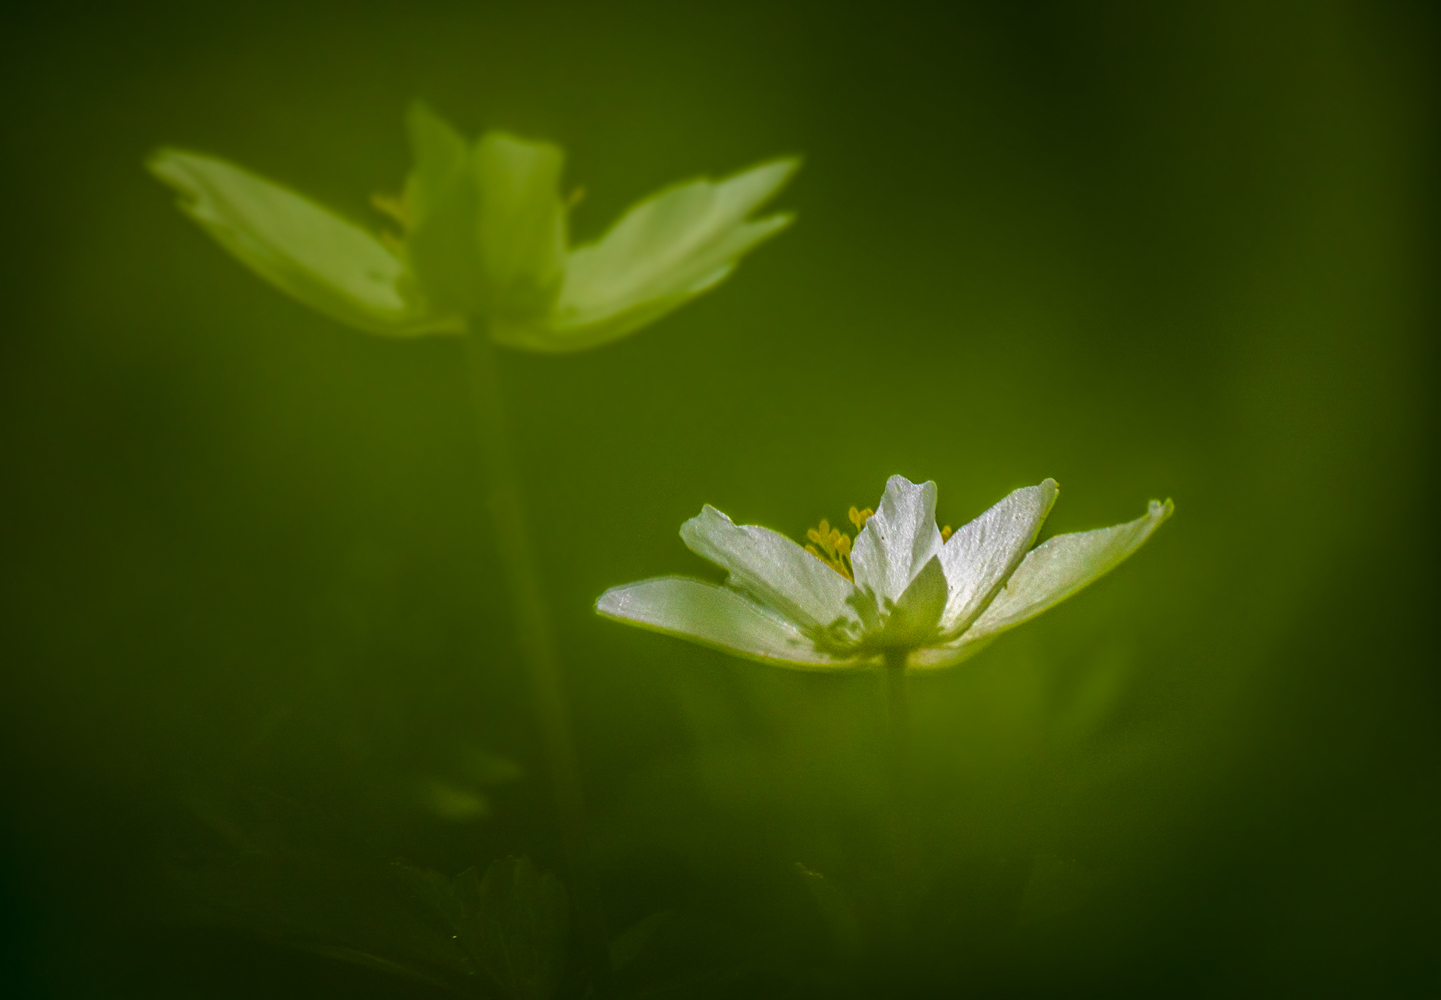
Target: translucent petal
714,616
441,203
542,336
669,246
775,571
900,538
980,556
330,264
522,222
1055,570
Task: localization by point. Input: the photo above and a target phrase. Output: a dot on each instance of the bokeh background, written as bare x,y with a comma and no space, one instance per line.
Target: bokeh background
254,646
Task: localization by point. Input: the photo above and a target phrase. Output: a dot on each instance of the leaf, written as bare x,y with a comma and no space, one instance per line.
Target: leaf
354,956
628,945
519,927
325,261
836,910
451,802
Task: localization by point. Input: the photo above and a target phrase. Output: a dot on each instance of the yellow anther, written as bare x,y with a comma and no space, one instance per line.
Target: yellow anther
392,206
946,533
833,546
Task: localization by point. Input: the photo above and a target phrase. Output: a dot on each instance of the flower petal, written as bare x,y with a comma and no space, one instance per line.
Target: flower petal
522,222
897,541
980,556
441,201
912,622
670,247
325,261
714,616
1055,570
776,572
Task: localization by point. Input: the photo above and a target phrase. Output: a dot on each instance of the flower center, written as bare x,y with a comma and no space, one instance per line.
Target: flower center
832,546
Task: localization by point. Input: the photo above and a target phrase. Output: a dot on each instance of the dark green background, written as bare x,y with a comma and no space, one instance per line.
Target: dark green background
248,588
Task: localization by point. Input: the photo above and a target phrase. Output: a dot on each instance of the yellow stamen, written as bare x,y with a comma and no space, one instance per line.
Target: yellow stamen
392,206
946,533
833,546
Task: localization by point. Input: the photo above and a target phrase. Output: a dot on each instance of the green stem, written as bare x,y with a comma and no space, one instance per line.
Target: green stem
532,616
897,749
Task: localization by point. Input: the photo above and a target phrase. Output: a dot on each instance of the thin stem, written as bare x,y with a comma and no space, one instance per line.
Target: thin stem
532,616
897,750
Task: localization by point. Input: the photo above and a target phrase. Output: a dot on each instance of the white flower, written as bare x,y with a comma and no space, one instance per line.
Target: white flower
905,592
484,238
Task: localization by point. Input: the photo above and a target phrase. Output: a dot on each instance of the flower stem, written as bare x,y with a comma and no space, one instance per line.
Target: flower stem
532,616
897,750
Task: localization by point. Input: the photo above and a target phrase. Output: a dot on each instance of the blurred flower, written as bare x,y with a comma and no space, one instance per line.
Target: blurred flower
905,589
483,237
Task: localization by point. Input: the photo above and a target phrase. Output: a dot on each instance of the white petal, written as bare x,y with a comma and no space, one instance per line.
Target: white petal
669,246
980,556
1054,571
775,571
948,654
328,263
712,615
898,540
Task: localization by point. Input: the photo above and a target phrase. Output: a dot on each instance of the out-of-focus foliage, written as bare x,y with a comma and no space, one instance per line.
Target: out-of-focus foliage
250,611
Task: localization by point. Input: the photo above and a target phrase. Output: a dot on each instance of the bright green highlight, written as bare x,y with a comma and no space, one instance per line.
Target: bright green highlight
484,238
918,595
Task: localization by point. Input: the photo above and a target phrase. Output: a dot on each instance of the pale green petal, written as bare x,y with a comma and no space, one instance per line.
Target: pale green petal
714,616
330,264
900,538
948,654
671,246
981,555
1055,570
912,621
522,222
441,203
776,572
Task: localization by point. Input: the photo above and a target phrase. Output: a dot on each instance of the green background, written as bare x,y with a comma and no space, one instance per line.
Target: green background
249,596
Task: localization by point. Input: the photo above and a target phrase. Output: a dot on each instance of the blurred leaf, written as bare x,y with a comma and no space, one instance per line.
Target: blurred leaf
377,962
520,927
836,910
451,802
514,921
627,946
